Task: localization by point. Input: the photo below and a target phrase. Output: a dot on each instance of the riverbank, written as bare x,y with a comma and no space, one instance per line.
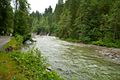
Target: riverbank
111,53
25,66
108,52
29,65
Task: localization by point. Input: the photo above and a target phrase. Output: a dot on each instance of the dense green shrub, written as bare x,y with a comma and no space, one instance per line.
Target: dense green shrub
15,42
108,43
99,43
85,39
33,66
25,66
19,39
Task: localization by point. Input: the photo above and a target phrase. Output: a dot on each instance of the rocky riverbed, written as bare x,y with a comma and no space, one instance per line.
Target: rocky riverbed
75,61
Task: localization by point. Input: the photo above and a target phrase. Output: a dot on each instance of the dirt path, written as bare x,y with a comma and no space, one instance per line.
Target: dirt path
4,40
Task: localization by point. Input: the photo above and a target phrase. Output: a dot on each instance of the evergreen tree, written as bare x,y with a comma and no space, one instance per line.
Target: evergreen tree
65,21
60,2
89,21
21,22
6,17
57,13
114,20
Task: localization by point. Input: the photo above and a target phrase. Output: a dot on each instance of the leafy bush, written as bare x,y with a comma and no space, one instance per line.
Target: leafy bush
72,40
15,42
117,42
27,37
19,39
26,66
33,66
108,43
85,39
99,43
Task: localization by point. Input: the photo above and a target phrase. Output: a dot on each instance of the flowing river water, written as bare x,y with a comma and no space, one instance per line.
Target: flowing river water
77,61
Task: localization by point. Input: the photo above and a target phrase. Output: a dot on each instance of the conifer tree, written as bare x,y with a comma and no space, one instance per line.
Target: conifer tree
6,17
21,22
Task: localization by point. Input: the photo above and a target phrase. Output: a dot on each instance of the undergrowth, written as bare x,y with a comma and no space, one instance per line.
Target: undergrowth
25,66
18,65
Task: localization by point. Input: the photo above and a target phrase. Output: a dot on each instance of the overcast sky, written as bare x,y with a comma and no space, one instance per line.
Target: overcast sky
40,5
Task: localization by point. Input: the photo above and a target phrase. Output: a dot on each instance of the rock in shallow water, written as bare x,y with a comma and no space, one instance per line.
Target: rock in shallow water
28,42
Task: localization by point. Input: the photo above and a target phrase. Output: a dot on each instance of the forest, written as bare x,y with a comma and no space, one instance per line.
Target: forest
59,40
15,20
87,21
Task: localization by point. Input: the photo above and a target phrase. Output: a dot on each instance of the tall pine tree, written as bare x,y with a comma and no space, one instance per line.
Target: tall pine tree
6,17
21,22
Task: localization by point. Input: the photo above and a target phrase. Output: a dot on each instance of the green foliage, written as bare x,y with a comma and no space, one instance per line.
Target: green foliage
64,24
19,39
99,43
114,20
7,68
6,17
15,42
26,66
85,39
17,22
42,23
89,21
108,43
82,20
22,19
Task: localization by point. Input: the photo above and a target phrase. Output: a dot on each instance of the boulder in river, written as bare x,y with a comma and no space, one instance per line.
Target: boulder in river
28,42
49,69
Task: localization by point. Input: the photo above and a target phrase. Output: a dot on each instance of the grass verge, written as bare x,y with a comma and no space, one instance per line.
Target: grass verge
25,66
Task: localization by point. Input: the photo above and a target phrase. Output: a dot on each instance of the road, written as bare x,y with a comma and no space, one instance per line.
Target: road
4,40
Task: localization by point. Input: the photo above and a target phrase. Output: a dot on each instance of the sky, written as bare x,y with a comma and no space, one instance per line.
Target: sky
40,5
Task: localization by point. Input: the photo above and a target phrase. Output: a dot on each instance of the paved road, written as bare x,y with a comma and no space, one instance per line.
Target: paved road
4,40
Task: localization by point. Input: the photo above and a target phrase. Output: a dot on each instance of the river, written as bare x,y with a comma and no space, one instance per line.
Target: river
77,61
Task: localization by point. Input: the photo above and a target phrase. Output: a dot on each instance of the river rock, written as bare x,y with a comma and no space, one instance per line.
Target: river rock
59,69
49,69
28,42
